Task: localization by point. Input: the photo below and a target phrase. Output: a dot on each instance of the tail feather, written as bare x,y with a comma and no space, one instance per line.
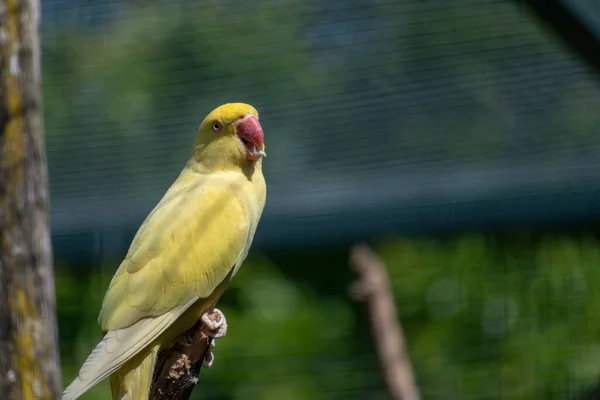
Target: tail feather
132,381
119,346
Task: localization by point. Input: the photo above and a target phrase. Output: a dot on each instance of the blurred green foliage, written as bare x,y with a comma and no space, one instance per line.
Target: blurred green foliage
509,317
485,317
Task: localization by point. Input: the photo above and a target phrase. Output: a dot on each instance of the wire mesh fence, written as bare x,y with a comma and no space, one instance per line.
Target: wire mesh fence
380,117
422,106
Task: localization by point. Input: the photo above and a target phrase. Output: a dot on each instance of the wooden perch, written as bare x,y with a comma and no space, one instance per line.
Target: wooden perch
178,368
373,288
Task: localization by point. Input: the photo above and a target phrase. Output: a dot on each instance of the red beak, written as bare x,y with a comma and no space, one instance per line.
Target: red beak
251,134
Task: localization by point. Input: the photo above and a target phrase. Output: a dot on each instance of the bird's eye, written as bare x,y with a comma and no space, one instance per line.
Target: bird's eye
217,126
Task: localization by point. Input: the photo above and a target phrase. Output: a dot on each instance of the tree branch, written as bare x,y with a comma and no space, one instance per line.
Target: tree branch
178,368
373,288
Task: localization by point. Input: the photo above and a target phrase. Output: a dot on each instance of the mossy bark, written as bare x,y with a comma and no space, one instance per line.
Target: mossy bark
29,366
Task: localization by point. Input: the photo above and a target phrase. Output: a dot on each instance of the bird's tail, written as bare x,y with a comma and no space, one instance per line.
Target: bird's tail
134,346
132,381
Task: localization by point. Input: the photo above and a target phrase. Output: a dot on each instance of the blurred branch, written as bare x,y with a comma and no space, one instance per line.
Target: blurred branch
373,288
178,368
29,363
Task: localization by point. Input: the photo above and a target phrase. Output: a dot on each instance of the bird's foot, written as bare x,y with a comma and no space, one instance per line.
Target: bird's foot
210,356
215,329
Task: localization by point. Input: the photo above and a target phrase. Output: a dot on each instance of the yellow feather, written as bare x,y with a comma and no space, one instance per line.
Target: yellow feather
133,379
180,260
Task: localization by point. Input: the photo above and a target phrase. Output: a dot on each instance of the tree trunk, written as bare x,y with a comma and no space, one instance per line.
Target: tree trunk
29,366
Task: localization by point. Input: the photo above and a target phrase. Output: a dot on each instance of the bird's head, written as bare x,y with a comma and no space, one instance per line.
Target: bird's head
229,137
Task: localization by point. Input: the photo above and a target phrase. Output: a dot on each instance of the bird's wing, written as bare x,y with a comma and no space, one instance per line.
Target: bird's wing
184,249
119,346
181,253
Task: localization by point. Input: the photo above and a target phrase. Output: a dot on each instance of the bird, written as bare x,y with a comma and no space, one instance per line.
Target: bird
183,255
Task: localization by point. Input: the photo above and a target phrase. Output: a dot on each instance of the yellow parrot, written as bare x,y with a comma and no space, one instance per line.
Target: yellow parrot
183,256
